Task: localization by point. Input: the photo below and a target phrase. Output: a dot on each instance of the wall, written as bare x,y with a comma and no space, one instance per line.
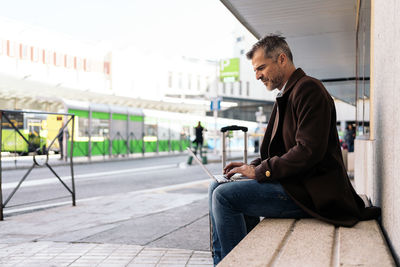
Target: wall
385,83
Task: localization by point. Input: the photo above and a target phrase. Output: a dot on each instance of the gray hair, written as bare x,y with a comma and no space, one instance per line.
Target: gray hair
273,45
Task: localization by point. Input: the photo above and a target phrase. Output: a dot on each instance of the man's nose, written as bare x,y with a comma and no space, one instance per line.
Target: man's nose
258,75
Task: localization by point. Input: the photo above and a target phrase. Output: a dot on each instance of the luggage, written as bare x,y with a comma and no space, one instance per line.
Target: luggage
225,131
251,222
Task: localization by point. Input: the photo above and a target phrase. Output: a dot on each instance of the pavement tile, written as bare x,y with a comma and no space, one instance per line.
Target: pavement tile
112,265
141,265
170,265
145,260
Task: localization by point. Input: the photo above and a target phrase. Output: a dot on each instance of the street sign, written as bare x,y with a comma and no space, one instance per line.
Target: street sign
215,104
229,70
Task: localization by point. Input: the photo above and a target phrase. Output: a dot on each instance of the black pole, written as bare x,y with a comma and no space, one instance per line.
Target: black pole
71,161
1,170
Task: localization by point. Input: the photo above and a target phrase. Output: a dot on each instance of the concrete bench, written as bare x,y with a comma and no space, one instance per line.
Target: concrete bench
310,242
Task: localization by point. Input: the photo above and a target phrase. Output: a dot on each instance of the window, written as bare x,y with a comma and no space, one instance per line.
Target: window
198,82
180,81
107,68
248,88
46,56
34,54
240,88
11,46
189,81
169,79
24,51
232,88
224,88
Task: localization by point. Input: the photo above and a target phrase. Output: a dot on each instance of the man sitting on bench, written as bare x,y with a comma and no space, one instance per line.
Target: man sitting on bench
300,172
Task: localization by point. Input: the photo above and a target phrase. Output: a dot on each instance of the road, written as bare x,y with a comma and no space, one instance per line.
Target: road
41,186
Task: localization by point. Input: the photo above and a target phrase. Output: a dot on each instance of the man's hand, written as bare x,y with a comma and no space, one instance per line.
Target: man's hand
240,167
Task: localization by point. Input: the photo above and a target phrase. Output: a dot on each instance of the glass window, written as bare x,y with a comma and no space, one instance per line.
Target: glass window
34,54
107,68
83,128
11,47
198,82
248,88
180,81
100,127
170,79
232,88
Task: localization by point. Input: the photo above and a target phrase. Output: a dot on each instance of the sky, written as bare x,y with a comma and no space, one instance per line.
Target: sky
194,28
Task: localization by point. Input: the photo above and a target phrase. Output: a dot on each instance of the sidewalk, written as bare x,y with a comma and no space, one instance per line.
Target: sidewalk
62,236
99,231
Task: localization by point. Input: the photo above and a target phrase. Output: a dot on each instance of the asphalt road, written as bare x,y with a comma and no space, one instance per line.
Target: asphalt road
42,187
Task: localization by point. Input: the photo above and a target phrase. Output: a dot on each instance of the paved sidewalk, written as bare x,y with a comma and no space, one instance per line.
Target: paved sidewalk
102,255
108,231
129,229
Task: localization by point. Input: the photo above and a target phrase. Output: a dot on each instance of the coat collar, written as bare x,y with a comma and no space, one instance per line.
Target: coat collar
296,75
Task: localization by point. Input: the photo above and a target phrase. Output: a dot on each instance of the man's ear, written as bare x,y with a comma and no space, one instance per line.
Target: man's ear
282,58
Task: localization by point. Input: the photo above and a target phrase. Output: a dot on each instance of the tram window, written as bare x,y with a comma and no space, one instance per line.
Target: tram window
150,129
83,128
99,127
17,119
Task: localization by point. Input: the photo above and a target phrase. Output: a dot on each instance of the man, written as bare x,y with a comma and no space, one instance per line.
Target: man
199,138
300,172
349,137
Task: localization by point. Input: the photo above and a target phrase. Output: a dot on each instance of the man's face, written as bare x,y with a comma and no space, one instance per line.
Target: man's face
269,71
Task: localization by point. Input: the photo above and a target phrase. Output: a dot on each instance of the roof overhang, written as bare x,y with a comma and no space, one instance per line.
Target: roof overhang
321,34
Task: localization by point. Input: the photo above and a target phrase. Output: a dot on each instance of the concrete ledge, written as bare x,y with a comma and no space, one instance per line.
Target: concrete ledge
310,242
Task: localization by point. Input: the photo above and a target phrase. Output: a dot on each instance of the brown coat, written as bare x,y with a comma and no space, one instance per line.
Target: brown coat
301,151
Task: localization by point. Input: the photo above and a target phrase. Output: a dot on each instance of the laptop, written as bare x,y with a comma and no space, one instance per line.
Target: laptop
220,178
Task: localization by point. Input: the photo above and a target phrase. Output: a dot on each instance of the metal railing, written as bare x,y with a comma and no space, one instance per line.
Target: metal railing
4,117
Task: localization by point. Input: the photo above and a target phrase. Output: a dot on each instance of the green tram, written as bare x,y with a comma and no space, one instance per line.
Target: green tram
111,130
33,127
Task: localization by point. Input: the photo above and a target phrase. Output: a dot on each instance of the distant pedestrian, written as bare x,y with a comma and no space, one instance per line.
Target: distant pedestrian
349,137
60,138
199,138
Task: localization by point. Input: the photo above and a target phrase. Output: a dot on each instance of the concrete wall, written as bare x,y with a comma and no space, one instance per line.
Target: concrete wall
385,83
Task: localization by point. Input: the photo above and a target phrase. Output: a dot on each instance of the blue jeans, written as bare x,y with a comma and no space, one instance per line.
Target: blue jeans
228,202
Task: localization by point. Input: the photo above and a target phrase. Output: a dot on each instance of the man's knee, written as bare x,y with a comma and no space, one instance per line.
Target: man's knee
221,196
212,186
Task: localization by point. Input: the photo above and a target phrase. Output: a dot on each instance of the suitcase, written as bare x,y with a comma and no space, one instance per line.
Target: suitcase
251,222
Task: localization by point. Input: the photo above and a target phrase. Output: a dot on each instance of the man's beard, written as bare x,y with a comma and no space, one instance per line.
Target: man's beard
275,82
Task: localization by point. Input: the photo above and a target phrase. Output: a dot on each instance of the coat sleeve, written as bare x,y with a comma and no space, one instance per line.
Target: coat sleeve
312,106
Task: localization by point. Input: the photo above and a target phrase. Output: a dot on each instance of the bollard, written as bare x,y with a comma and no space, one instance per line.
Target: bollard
204,156
189,161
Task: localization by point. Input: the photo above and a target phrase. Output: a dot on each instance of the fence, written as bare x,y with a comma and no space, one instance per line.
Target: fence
35,133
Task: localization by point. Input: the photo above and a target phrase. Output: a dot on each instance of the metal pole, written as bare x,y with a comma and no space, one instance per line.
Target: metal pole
71,161
128,145
90,134
109,135
245,148
223,150
143,144
1,170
